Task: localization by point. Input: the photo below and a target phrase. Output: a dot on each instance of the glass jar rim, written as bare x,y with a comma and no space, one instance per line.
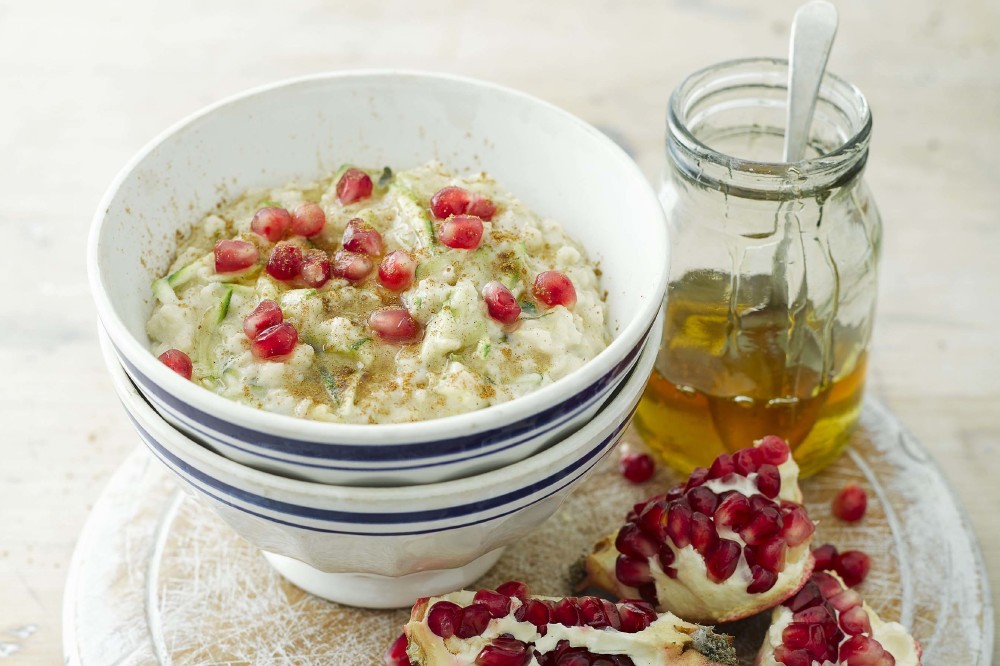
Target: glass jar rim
823,171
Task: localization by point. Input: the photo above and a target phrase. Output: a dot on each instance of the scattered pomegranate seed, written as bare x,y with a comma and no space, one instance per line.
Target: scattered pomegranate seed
481,207
855,621
353,186
852,566
463,232
773,450
632,571
396,654
633,542
316,269
721,563
271,222
768,480
351,266
234,255
553,288
503,652
275,342
501,304
397,270
636,467
497,604
825,556
177,361
850,503
285,262
361,237
443,618
450,201
308,220
264,316
514,588
761,580
395,326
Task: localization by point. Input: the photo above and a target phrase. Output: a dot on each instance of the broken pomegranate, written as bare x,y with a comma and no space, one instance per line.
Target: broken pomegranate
308,220
850,503
553,288
177,361
271,222
353,186
827,623
508,627
636,467
731,541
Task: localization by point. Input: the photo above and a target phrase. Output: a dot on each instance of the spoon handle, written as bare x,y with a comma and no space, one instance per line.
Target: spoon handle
813,30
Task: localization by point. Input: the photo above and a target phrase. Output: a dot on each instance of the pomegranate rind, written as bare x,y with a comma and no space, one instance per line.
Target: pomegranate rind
893,637
668,641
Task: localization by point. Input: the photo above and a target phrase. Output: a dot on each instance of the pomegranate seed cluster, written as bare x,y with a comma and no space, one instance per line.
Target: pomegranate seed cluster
722,527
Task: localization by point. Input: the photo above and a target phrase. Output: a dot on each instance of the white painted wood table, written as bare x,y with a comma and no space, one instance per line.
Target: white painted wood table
84,85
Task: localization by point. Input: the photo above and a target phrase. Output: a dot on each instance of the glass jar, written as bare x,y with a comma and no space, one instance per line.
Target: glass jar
772,288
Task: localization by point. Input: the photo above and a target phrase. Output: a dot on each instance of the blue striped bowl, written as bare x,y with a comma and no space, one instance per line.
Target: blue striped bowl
384,547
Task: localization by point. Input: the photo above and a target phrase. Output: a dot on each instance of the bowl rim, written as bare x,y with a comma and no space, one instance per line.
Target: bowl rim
503,414
486,483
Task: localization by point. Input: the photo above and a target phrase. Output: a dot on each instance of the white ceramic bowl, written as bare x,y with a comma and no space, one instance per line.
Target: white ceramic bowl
554,162
385,547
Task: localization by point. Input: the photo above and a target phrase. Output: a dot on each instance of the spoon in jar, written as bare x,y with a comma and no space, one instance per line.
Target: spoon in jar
813,30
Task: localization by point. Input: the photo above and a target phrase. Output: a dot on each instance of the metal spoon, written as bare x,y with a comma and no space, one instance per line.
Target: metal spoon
813,30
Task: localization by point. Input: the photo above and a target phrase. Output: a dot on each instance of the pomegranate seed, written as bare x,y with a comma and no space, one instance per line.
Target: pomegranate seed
514,588
703,499
234,255
746,461
353,186
285,262
733,512
475,619
653,520
395,326
633,542
828,585
594,614
721,563
396,654
698,477
275,342
265,315
679,524
566,612
634,466
463,232
758,502
361,237
503,652
666,557
316,269
271,222
450,201
764,524
852,566
846,600
351,266
501,304
177,361
773,450
497,604
721,466
632,571
761,580
771,554
825,556
821,614
796,526
796,636
533,611
855,621
443,618
703,534
768,480
397,270
788,657
308,220
553,288
481,207
807,597
850,503
861,651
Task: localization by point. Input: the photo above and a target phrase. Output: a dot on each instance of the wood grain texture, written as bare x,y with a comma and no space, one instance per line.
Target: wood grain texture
84,85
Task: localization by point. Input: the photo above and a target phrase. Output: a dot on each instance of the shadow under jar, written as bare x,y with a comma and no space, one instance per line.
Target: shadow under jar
771,295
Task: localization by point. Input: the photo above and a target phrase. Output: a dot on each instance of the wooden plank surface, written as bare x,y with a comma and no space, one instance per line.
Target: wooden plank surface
84,85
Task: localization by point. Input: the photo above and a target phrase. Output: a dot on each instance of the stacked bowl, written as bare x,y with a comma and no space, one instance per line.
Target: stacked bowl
377,515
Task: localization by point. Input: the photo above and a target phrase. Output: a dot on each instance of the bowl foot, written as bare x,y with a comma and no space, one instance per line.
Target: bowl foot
374,591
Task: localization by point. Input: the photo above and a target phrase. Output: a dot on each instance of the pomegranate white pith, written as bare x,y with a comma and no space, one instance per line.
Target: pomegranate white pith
731,542
862,633
664,639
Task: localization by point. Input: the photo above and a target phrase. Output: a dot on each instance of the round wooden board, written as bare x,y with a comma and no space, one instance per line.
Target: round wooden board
158,579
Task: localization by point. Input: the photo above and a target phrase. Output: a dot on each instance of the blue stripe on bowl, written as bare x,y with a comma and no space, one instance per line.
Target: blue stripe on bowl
352,518
386,452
